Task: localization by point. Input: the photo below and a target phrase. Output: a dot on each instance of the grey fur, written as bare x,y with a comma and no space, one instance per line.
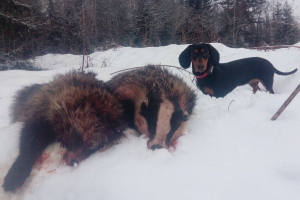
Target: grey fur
153,93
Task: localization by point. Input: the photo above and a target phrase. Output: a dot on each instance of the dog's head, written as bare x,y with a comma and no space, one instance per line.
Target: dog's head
201,55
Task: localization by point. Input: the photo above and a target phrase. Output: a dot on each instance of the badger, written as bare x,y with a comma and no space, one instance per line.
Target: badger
74,109
157,103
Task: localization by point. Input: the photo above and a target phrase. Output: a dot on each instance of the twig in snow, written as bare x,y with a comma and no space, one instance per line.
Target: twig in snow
286,103
179,68
230,105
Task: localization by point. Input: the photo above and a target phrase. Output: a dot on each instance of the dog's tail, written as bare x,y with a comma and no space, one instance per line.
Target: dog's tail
285,73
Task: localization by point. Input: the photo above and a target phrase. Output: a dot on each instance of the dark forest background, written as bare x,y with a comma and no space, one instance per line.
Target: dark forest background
30,28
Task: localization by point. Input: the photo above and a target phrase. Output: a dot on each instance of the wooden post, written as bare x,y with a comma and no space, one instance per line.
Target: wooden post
286,103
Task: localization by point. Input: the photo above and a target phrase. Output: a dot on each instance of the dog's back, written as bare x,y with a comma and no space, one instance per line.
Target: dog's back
218,79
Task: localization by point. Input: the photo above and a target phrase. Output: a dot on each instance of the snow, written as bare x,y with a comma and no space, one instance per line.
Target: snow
231,150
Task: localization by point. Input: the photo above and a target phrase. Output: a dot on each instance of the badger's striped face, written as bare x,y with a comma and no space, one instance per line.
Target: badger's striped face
161,120
161,103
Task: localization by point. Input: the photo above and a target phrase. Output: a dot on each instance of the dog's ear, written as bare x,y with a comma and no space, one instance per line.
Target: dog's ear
214,55
184,58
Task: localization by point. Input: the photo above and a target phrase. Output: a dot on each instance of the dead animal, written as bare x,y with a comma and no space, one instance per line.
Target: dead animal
75,109
157,102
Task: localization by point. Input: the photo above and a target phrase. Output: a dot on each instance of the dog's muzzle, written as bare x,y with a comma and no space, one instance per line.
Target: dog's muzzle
199,68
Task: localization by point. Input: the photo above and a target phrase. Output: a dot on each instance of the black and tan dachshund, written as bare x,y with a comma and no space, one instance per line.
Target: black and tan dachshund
219,79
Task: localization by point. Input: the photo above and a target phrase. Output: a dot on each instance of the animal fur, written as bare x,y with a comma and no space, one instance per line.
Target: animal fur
74,109
219,79
158,103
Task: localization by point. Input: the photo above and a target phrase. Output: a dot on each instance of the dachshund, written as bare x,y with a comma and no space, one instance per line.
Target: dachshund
218,79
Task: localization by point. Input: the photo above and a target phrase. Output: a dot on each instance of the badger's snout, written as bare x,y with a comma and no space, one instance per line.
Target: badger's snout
160,128
156,146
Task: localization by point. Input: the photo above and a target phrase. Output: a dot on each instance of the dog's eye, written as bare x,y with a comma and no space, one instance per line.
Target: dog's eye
194,56
205,55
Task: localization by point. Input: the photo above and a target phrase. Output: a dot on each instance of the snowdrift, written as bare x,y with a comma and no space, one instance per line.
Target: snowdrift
231,150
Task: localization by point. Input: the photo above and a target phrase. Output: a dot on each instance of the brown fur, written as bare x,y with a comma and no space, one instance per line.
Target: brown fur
74,109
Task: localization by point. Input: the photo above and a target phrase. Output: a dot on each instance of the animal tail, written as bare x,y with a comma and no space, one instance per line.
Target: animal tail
35,137
285,73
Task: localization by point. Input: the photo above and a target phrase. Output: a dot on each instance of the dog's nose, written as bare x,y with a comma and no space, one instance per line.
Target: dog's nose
156,146
200,67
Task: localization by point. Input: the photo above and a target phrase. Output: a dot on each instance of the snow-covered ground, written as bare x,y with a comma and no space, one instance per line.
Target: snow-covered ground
232,150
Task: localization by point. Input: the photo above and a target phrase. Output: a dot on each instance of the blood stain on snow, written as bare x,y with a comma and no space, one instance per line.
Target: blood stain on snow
41,160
